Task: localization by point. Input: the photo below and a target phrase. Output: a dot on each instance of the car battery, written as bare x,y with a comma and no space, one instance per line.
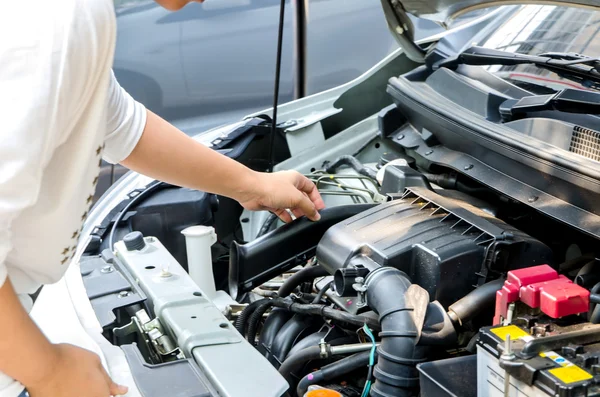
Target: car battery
538,360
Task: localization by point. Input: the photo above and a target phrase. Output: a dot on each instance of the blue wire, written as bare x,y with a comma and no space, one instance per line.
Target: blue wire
369,333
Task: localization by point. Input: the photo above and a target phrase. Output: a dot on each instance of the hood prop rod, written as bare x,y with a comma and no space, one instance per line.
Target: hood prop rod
277,80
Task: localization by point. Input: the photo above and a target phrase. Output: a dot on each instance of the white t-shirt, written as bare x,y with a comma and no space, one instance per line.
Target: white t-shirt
61,111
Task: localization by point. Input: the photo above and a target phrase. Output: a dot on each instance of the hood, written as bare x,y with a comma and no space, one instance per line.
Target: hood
442,12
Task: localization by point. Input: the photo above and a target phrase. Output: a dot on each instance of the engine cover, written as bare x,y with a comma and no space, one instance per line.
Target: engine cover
444,245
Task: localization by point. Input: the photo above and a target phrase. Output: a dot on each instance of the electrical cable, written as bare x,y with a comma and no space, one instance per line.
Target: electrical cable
277,80
322,292
266,226
367,388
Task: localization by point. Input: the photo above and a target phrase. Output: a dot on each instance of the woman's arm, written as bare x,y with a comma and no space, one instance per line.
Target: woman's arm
44,368
165,153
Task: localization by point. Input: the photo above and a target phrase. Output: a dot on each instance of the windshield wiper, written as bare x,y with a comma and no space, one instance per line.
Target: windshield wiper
568,100
575,67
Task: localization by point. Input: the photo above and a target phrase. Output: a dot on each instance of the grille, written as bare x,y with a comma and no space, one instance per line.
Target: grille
586,143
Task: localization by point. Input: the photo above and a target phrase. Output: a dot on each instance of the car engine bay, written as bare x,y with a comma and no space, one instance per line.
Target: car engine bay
440,265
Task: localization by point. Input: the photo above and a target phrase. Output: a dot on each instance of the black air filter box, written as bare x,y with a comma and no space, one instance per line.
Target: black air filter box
444,245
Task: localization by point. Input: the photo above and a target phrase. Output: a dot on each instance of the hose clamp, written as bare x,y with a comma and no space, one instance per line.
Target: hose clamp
325,349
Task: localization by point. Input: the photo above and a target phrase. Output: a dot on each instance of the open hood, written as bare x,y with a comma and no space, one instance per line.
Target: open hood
442,11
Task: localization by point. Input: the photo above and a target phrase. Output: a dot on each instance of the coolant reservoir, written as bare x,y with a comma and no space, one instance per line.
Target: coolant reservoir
317,391
198,240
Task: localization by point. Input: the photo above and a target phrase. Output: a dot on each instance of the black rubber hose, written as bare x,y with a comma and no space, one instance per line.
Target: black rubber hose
333,371
395,373
266,226
326,312
309,273
352,162
242,321
475,302
588,275
595,317
297,361
322,292
255,320
595,289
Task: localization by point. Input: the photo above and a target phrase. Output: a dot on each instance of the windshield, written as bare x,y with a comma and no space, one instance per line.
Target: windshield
534,30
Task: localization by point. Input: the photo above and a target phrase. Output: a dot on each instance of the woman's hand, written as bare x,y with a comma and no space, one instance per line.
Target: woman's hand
280,191
77,373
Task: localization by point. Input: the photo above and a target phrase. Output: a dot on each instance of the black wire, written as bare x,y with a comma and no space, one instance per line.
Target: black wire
277,79
135,200
322,292
266,226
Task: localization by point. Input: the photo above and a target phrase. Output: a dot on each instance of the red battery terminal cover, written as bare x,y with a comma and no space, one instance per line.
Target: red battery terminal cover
541,286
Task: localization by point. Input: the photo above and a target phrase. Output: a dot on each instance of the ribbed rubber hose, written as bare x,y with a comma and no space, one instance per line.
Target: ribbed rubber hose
255,320
309,273
333,371
395,373
242,320
326,312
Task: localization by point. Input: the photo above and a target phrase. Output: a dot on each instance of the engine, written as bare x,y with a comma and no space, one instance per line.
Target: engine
421,270
404,286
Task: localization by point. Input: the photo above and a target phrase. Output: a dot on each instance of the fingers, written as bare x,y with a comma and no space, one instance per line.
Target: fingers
117,390
283,215
307,208
307,186
114,389
297,213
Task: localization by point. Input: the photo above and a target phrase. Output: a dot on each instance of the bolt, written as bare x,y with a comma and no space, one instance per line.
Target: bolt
107,269
428,152
538,331
533,199
165,273
361,289
507,355
468,167
123,294
400,137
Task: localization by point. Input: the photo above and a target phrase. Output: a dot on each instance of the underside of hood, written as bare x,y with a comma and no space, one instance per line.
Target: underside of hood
442,11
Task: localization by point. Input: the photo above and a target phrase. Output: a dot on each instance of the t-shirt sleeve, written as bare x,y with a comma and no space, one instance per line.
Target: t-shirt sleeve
126,123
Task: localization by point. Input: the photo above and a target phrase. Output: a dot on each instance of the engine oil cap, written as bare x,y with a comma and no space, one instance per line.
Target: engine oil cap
134,241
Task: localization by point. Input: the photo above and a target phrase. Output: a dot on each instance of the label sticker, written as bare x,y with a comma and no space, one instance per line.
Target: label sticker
557,358
570,374
512,330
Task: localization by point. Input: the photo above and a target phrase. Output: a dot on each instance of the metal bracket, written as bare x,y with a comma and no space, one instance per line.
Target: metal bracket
157,344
